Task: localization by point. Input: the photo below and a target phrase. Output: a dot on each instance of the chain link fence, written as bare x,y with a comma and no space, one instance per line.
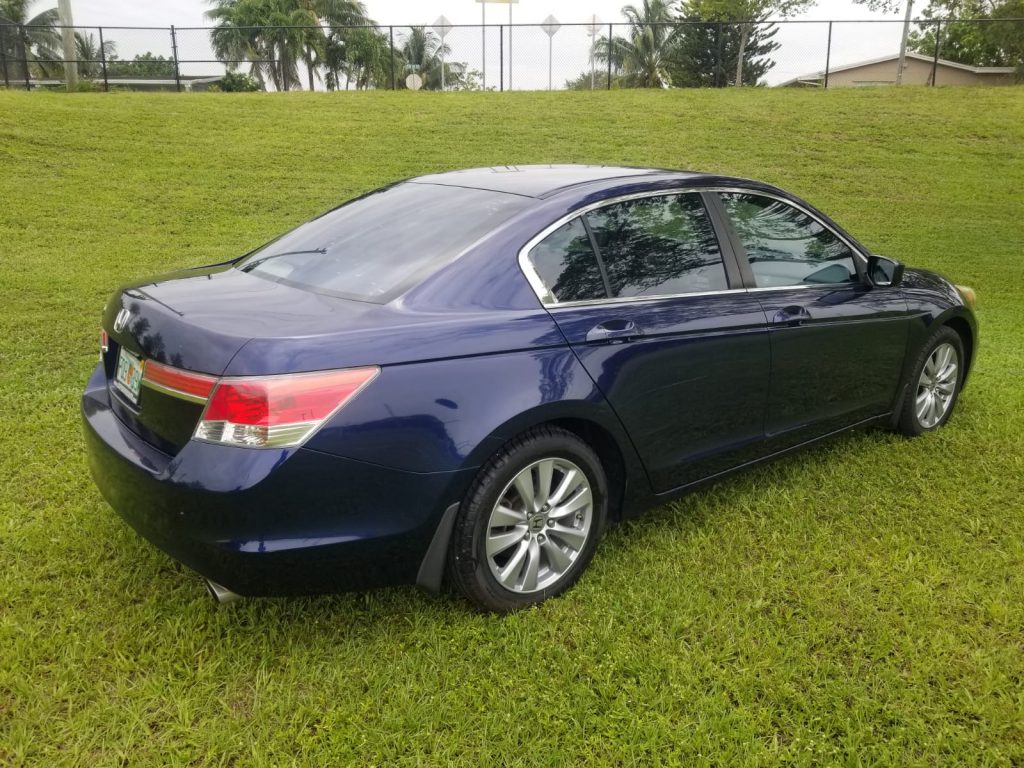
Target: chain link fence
502,57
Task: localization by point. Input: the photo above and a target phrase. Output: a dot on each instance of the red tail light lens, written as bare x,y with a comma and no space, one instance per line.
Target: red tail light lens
278,411
174,381
104,343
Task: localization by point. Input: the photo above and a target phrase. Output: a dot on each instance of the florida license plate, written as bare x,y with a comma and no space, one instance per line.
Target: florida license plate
128,377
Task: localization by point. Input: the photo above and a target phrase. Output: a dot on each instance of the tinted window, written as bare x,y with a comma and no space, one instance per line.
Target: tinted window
566,264
375,247
658,246
786,246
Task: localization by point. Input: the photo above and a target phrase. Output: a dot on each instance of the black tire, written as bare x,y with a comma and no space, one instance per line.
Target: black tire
909,422
469,569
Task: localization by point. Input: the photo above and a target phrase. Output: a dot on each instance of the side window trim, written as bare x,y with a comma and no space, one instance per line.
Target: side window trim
737,268
859,258
548,300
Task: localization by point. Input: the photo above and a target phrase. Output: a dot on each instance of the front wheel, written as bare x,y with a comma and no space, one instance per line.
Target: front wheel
934,384
531,521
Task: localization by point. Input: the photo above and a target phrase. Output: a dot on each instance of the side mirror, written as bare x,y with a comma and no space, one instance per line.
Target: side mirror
883,272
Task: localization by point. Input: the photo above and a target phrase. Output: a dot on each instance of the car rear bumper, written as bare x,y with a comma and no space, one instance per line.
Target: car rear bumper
268,522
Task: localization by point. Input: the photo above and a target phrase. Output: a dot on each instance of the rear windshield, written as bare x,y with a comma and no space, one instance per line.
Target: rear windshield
377,246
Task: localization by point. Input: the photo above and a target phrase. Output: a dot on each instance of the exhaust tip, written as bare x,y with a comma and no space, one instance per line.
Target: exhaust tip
221,595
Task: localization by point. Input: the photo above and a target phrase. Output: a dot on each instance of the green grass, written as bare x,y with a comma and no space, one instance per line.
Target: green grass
856,604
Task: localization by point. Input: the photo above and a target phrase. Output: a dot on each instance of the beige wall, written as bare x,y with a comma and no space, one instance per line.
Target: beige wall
917,72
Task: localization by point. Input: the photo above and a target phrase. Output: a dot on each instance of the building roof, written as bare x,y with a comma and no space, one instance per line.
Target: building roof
895,57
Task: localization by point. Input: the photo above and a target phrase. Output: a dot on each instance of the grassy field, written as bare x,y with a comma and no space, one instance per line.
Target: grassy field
858,604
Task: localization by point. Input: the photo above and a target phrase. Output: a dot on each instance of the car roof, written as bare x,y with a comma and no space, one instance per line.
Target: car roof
544,180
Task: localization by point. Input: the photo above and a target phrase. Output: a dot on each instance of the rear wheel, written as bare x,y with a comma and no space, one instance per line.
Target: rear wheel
531,521
934,384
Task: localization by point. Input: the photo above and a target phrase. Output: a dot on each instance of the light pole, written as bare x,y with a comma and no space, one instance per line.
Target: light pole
592,28
442,26
67,34
550,26
903,44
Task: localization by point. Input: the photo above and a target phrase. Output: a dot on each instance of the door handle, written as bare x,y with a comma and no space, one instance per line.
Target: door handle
614,330
791,316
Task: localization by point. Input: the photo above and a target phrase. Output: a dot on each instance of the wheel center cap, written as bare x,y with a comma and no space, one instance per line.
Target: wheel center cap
537,521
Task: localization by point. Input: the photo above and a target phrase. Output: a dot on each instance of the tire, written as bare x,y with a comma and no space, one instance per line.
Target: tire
920,413
508,558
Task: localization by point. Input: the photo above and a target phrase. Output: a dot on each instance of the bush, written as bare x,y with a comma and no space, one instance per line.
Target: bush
235,82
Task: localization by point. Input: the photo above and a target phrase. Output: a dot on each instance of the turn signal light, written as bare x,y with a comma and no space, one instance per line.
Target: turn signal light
278,411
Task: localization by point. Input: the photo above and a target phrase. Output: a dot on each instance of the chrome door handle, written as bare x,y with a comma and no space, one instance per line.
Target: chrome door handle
791,316
614,330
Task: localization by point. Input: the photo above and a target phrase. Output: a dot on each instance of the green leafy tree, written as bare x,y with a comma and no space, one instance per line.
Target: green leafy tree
239,82
274,35
145,66
90,57
998,41
423,52
29,38
750,18
708,51
641,56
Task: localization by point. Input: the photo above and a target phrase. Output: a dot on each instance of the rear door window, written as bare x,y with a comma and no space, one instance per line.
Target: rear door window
567,266
658,246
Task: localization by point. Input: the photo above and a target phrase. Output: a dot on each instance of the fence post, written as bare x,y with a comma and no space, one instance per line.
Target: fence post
935,58
3,53
718,56
501,57
174,50
103,62
391,37
828,54
609,52
24,57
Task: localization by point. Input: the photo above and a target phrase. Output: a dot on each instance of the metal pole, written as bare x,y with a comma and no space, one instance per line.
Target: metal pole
103,62
67,37
483,40
609,52
828,54
938,42
391,37
510,46
501,56
3,55
24,57
903,44
718,56
551,46
442,64
174,50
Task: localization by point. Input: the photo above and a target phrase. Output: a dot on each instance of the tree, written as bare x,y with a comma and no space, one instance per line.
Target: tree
423,52
708,49
144,66
90,57
641,56
275,34
750,18
994,42
31,39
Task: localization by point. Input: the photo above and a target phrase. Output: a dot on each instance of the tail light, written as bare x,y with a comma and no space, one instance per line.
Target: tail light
277,411
104,343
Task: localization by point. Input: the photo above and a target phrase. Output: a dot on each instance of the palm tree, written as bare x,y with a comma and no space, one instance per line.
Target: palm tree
35,39
422,52
275,34
89,55
642,56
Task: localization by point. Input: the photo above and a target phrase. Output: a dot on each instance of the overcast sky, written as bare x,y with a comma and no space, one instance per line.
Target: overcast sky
803,48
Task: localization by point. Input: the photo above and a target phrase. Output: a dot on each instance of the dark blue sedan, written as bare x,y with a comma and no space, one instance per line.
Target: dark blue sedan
468,376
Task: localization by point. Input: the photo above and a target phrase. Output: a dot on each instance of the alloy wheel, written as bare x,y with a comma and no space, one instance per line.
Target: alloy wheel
539,525
937,385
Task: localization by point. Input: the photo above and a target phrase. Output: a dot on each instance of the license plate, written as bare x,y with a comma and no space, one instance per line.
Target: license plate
128,378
